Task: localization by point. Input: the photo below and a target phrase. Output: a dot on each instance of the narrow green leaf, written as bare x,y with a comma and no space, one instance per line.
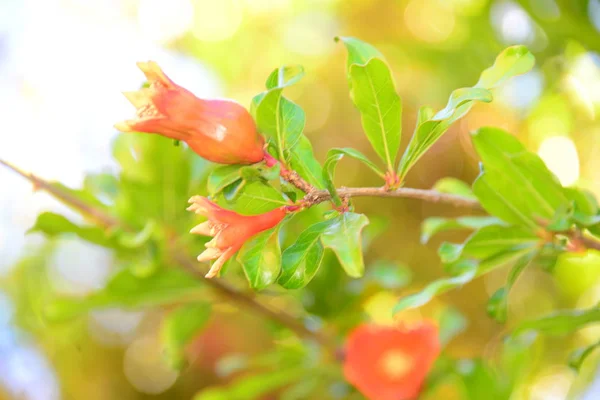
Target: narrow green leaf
301,261
468,272
350,152
495,239
577,357
512,61
343,236
261,258
507,165
52,225
434,225
253,386
328,176
454,186
451,322
179,328
389,275
302,160
125,289
561,322
434,289
497,307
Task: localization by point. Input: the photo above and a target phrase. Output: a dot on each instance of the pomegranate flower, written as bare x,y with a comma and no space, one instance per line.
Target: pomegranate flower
229,230
388,363
221,131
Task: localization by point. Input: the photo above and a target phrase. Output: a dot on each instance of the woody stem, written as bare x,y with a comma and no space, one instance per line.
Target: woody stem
107,221
288,175
319,196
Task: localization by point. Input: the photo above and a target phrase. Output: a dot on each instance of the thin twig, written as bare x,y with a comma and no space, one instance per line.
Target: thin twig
97,216
109,222
290,176
433,196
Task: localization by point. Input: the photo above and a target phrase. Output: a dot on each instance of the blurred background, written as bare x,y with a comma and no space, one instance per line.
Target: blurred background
64,64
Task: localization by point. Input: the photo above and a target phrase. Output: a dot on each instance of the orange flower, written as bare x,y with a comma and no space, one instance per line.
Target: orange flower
229,229
221,131
387,363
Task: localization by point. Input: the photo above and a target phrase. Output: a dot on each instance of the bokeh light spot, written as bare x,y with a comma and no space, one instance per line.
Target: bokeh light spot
512,23
145,367
162,21
429,21
216,20
560,155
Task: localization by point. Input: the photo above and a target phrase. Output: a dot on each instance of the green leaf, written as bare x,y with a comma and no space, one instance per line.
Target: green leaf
460,97
343,236
255,198
497,307
252,387
434,289
277,117
180,327
508,166
301,261
285,76
454,186
328,176
468,272
221,177
359,52
302,160
434,225
561,322
451,322
389,275
52,225
350,152
261,258
125,289
155,179
496,239
586,210
512,61
577,357
373,92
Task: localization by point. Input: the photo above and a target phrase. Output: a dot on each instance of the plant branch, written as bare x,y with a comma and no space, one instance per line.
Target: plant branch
319,196
290,176
107,221
97,216
580,242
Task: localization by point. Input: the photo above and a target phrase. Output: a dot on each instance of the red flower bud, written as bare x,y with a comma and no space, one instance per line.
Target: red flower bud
387,363
229,229
221,131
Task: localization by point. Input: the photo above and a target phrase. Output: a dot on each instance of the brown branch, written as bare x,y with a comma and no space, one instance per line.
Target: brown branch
97,216
433,196
290,176
109,222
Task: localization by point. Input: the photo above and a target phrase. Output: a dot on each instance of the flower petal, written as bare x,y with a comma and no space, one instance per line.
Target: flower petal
154,73
138,98
209,254
217,265
204,228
